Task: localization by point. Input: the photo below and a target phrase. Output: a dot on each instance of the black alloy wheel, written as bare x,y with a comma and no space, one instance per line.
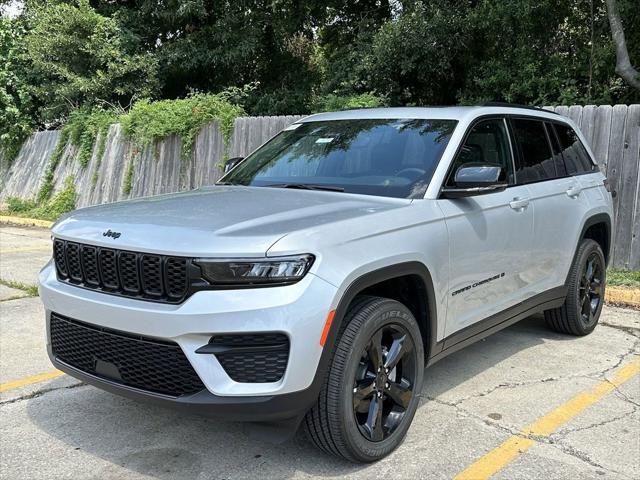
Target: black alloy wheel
585,285
384,383
590,289
372,389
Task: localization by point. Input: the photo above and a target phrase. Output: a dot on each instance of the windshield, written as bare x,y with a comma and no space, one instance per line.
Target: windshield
392,158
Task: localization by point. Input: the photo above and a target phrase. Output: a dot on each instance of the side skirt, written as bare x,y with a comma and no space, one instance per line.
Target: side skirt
550,299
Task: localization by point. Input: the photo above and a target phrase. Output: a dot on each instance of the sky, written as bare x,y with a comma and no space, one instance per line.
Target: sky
12,8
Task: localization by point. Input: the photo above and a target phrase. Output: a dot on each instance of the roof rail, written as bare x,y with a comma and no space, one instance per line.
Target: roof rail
515,105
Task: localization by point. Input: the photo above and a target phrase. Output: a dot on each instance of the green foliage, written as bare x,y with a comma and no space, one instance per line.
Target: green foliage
18,205
15,101
46,189
127,182
62,202
623,278
59,58
332,102
80,57
150,121
84,127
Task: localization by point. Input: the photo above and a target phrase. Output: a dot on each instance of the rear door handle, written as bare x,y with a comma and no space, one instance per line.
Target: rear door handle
519,203
574,191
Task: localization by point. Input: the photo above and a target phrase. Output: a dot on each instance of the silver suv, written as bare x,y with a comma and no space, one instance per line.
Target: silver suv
315,282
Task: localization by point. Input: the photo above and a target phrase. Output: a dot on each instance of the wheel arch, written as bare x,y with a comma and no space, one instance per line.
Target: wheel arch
425,311
597,227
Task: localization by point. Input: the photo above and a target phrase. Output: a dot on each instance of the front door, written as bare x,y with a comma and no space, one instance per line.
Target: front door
490,235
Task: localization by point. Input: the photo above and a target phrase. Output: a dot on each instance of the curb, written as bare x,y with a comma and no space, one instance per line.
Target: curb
30,222
629,297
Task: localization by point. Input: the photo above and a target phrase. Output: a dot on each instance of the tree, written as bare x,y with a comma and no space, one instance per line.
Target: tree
623,63
83,58
418,57
15,101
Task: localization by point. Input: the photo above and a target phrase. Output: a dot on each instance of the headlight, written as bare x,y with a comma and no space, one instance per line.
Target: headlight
272,271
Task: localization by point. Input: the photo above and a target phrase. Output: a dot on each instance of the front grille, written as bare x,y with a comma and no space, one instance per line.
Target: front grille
267,363
152,277
148,364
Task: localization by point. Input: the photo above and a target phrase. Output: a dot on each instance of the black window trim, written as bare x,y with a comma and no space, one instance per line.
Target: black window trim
542,120
472,125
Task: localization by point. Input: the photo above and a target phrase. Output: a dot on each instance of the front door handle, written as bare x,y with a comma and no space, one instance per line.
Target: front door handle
519,203
574,191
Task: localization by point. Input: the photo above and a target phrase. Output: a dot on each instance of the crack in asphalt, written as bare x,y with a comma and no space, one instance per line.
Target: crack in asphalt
633,331
39,393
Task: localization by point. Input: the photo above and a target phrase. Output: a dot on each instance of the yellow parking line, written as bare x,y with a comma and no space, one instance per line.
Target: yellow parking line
23,382
42,248
504,454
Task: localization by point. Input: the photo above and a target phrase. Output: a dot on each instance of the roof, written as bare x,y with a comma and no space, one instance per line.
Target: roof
437,113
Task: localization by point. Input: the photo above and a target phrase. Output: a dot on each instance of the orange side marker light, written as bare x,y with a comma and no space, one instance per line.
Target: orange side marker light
327,327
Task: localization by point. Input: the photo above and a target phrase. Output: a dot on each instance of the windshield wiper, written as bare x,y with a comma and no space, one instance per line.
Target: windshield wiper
306,186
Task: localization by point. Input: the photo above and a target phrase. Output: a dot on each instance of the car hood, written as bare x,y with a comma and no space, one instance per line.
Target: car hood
215,221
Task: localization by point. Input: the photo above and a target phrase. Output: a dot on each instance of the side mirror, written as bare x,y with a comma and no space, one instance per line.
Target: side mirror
232,163
473,180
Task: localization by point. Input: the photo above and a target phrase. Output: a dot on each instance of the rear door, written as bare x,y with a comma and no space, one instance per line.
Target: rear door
488,234
556,196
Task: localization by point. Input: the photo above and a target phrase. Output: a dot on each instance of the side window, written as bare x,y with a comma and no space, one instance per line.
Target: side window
486,144
561,170
575,155
536,159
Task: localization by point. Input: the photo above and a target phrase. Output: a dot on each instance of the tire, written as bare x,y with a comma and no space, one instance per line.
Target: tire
345,420
580,312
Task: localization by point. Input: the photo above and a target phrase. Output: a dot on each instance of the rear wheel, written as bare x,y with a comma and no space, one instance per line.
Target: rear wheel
580,312
373,386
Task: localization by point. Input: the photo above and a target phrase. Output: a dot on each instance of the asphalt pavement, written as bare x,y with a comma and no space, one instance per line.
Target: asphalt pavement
524,403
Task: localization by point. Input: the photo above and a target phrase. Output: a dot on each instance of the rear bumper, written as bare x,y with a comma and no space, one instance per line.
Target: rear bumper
297,311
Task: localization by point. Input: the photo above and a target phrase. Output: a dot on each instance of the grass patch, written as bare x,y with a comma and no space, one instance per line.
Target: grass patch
623,278
52,209
31,290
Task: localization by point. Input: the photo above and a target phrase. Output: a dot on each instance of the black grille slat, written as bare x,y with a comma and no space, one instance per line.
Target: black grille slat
108,269
89,256
59,257
128,269
156,278
144,363
176,277
151,274
73,261
253,367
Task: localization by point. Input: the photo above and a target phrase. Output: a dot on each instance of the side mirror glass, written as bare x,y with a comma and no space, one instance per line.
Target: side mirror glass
232,163
476,179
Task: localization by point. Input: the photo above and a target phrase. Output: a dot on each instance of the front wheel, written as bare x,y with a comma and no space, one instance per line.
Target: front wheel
372,389
580,312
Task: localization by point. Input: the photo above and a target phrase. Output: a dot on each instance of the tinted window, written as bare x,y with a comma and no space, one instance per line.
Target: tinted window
536,160
557,151
486,144
394,158
575,155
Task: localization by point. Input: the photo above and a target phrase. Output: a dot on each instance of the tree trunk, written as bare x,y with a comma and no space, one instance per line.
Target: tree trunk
623,64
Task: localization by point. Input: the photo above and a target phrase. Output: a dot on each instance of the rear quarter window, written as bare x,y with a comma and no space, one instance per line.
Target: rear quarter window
576,158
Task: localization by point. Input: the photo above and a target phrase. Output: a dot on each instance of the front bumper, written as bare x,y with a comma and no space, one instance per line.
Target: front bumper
299,311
